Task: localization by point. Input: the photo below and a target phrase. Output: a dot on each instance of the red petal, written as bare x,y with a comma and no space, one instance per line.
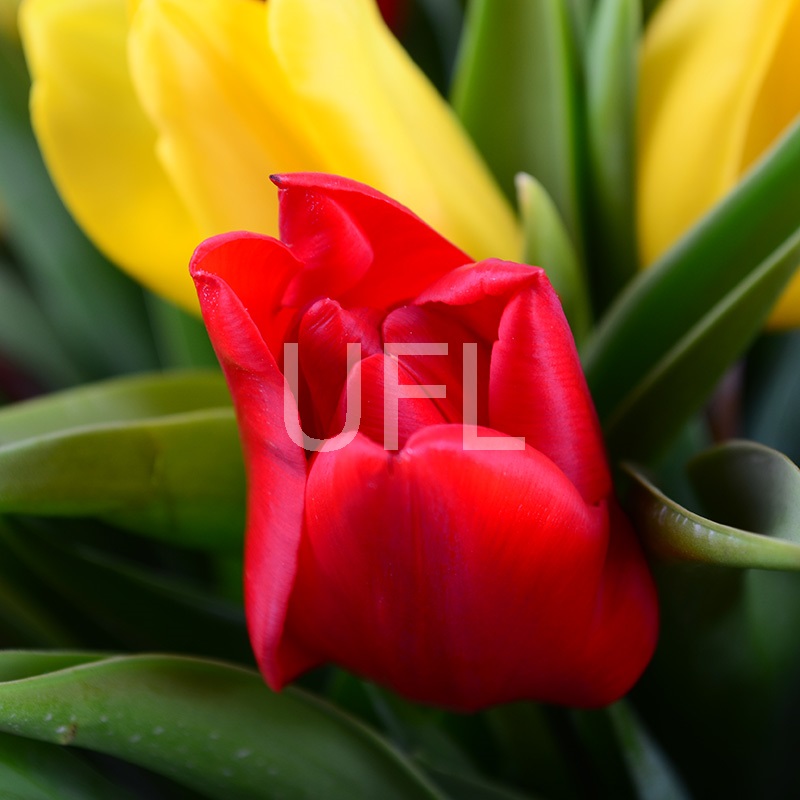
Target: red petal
538,390
476,294
413,324
257,269
459,578
327,240
412,413
276,472
325,330
625,628
358,246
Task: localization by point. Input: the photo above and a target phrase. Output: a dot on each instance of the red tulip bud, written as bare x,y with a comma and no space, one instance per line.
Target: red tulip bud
431,507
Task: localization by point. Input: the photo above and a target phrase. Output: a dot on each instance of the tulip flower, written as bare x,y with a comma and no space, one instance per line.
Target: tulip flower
434,511
718,86
161,120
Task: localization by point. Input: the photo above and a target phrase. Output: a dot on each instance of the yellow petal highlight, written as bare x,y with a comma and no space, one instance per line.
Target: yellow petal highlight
378,120
717,87
777,100
98,143
161,121
226,116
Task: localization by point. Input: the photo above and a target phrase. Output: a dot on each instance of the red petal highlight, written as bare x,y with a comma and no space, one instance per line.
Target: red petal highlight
327,240
459,578
625,628
412,413
325,330
415,324
276,472
332,223
537,389
257,269
476,294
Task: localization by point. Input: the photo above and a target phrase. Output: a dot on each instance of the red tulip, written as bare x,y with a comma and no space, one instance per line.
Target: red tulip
481,558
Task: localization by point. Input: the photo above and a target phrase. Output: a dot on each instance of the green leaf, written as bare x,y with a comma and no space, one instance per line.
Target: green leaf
548,245
35,771
422,732
159,455
469,787
627,761
114,401
181,339
206,725
730,263
728,636
27,338
755,492
772,392
431,37
681,380
29,615
179,478
749,486
98,312
651,773
515,90
611,74
532,749
580,11
135,608
604,770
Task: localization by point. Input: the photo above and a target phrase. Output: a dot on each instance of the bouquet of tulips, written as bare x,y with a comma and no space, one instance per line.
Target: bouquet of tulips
399,399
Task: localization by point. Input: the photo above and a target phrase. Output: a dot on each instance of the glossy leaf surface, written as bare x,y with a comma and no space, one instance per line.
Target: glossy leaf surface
179,479
706,271
681,380
516,92
32,770
156,454
114,401
752,491
206,725
547,245
611,62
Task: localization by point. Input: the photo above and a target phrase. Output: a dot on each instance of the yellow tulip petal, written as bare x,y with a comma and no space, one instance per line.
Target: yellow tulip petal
226,118
777,101
99,145
776,106
379,120
703,65
786,313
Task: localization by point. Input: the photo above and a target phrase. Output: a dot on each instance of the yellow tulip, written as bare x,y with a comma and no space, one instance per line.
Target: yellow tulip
718,85
161,120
